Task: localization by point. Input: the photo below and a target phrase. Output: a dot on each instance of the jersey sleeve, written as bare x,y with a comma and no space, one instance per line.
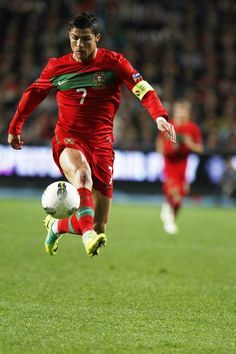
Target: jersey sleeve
31,98
140,88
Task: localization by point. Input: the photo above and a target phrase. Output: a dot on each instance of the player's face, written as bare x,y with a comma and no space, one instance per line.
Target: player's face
83,43
181,112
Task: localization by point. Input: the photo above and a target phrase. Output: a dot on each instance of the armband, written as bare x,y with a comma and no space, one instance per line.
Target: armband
141,88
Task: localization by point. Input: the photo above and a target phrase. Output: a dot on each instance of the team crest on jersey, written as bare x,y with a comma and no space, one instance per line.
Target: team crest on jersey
69,141
137,77
99,78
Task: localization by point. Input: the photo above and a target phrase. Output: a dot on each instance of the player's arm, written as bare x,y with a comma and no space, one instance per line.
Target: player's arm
192,145
194,141
147,95
150,100
30,100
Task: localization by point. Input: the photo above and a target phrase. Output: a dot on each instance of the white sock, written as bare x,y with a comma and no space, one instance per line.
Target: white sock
87,235
55,227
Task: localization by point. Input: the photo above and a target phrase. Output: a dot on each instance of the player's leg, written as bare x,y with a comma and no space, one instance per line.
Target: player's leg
70,225
173,199
77,170
176,194
102,211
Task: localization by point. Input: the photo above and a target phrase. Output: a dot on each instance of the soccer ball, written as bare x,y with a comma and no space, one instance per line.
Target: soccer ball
60,199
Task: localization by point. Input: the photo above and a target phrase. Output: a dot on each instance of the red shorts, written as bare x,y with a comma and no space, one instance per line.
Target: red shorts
100,158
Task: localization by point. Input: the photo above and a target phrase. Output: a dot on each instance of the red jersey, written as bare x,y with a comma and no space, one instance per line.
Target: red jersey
88,95
175,155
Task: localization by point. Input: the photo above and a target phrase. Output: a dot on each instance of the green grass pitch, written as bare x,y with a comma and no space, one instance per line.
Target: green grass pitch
147,292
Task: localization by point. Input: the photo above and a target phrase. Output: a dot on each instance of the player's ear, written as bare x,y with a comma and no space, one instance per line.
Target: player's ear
97,37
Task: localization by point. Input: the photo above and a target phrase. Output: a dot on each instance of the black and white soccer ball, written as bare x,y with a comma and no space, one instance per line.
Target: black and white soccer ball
60,199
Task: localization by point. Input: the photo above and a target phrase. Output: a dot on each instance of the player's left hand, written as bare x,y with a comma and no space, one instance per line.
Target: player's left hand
164,126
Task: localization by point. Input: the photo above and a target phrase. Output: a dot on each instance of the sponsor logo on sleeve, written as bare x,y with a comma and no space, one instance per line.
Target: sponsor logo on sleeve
137,77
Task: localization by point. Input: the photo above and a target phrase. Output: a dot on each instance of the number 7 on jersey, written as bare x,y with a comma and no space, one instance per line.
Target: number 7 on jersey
84,93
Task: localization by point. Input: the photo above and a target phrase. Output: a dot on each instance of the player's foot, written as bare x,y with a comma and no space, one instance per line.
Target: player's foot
171,228
51,241
93,241
168,219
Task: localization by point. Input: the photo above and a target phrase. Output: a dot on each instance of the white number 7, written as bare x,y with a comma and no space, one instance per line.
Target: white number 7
84,93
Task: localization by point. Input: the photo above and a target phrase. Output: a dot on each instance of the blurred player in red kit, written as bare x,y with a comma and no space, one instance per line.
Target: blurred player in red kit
188,139
88,82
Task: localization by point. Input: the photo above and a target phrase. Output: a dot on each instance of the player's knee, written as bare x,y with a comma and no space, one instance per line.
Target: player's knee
84,178
81,178
176,199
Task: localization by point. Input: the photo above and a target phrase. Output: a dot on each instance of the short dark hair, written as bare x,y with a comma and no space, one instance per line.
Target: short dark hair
85,20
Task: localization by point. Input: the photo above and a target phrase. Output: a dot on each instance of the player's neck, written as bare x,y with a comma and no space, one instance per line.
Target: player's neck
89,59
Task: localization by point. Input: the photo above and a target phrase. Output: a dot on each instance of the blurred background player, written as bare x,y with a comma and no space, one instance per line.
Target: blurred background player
188,139
88,83
228,182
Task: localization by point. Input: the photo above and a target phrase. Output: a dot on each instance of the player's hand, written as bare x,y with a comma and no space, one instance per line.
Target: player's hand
192,145
164,126
15,141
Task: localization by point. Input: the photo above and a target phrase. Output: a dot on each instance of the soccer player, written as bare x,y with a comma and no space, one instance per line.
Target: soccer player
228,182
88,82
188,139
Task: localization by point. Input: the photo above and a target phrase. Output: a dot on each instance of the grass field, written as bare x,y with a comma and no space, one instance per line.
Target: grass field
146,293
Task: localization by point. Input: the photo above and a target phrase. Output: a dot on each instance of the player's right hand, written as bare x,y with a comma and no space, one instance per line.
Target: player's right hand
164,126
15,141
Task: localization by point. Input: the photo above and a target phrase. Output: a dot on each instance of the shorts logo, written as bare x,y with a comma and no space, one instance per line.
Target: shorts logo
69,141
110,168
99,78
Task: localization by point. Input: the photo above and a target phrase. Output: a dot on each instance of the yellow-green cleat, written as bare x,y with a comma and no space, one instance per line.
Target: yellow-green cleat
51,241
93,241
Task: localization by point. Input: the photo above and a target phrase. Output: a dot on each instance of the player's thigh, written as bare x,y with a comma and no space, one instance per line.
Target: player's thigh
71,159
102,210
73,163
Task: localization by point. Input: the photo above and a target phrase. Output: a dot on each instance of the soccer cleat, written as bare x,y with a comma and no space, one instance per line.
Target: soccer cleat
92,242
168,219
51,241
